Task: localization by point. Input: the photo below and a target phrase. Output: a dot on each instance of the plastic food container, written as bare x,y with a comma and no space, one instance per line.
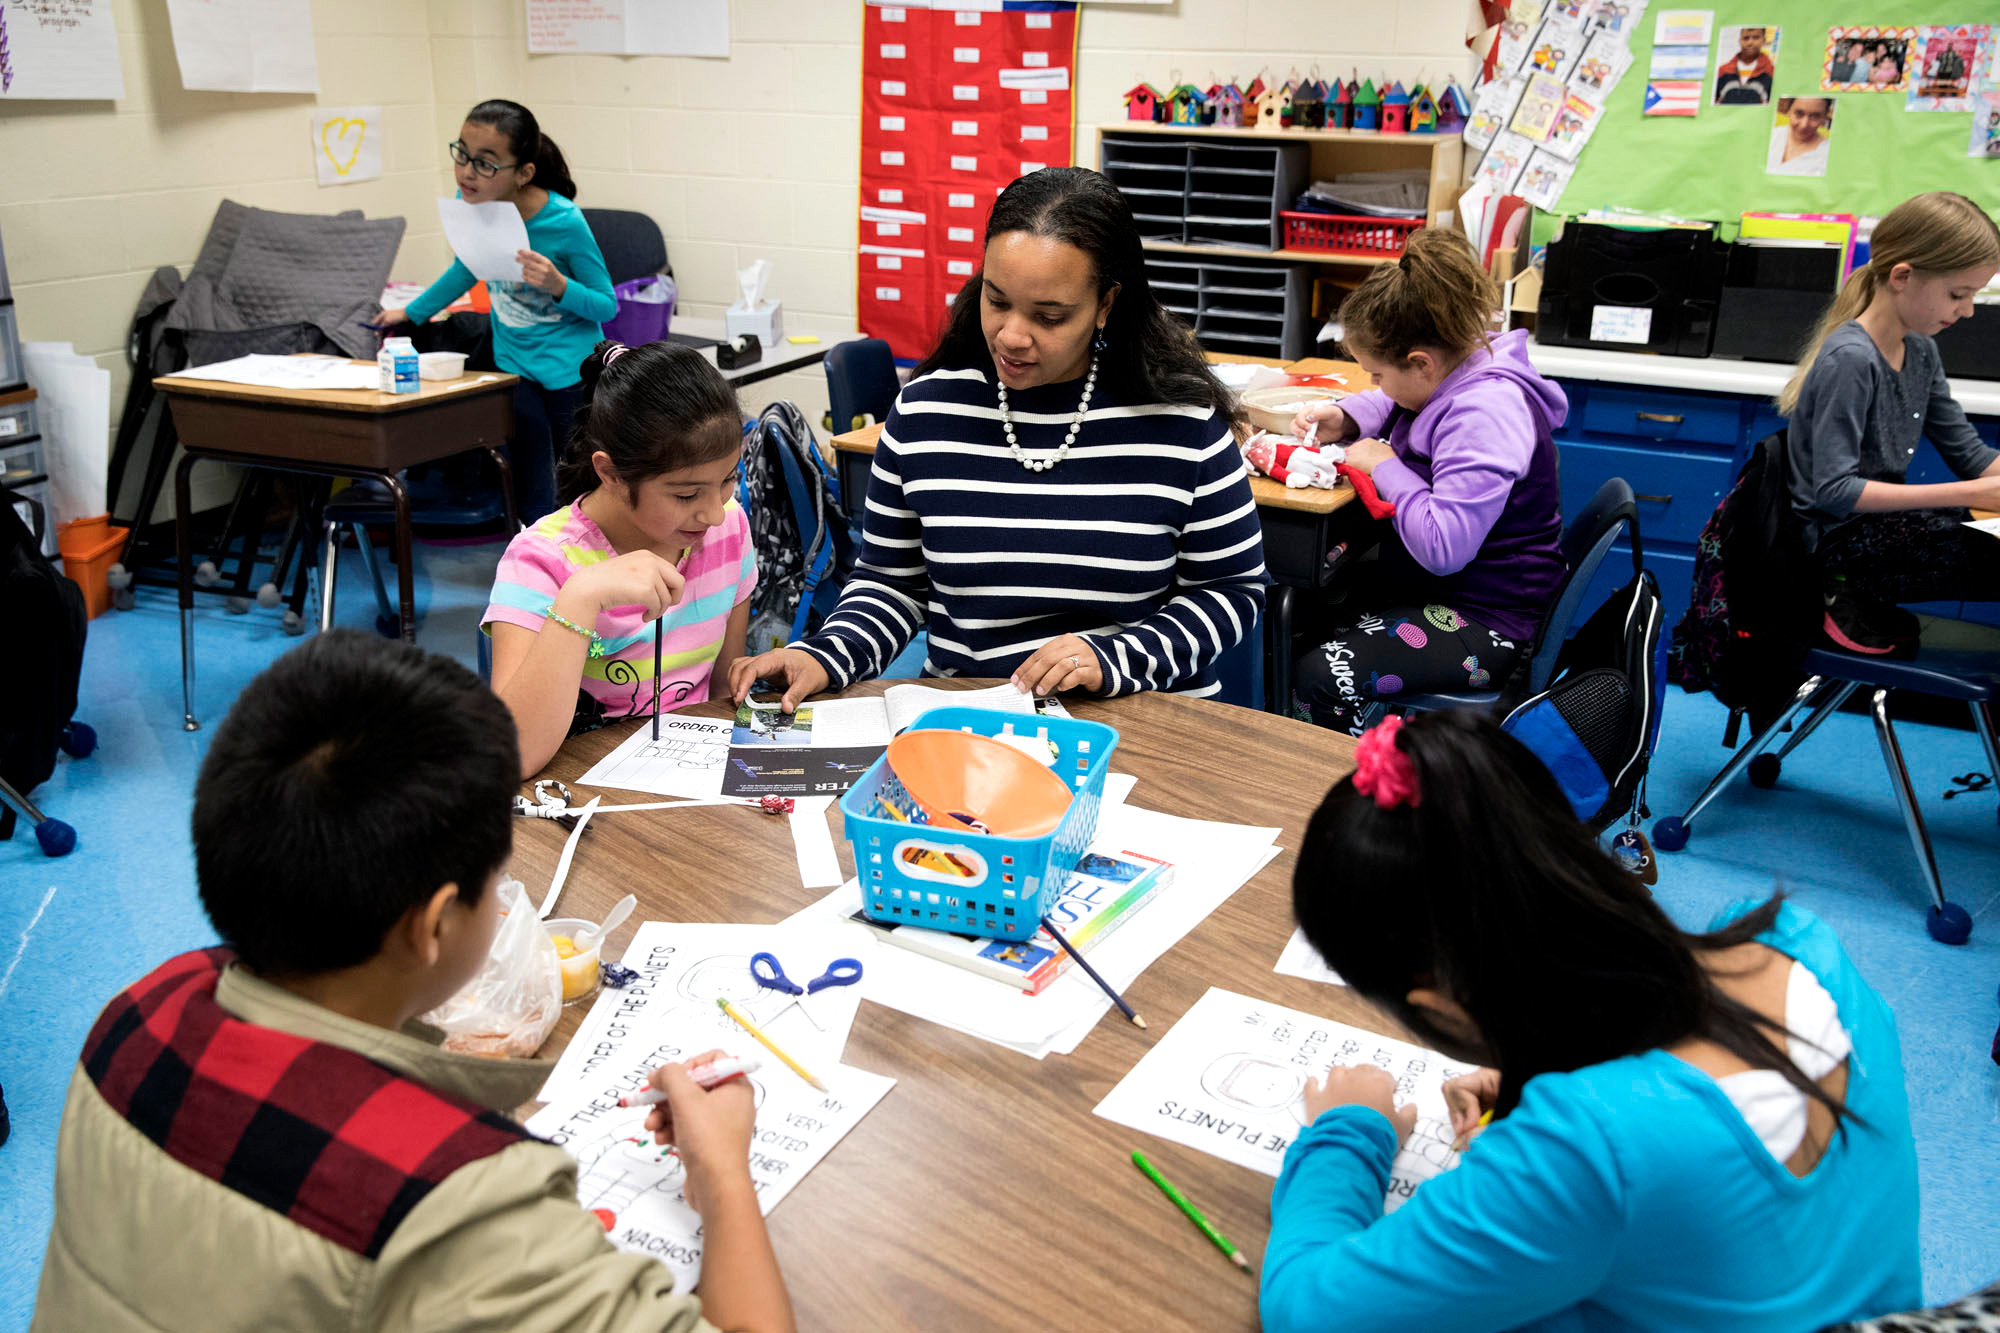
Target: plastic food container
441,365
1275,408
579,970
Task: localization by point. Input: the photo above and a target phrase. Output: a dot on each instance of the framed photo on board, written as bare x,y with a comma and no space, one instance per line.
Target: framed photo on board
1945,66
1867,60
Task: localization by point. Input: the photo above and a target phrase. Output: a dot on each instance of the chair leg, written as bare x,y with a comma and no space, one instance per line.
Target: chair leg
1982,722
373,564
1906,796
1821,711
329,570
1741,759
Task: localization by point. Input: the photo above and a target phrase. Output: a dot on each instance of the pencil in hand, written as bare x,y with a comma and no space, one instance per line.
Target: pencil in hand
1102,984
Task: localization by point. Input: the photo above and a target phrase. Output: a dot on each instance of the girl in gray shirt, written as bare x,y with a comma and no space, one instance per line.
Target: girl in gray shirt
1868,390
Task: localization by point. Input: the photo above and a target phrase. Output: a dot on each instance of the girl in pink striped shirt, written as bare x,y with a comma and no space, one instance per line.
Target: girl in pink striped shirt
649,529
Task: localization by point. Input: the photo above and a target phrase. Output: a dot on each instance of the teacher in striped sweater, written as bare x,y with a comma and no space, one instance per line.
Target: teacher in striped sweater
1058,493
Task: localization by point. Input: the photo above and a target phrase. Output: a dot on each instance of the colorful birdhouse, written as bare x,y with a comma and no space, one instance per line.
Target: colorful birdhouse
1454,109
1254,91
1309,105
1367,106
1340,108
1395,110
1225,100
1187,105
1423,111
1144,102
1271,104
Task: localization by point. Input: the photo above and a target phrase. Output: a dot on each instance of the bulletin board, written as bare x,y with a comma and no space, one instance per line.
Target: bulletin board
958,99
1880,154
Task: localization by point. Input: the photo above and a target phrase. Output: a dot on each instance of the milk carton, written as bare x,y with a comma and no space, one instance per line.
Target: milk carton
397,365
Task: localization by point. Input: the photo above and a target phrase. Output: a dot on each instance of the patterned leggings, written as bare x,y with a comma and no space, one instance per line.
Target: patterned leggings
1397,650
1917,555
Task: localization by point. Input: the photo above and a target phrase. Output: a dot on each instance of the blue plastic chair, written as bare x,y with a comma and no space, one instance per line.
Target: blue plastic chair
1240,670
1586,542
434,499
1970,673
860,381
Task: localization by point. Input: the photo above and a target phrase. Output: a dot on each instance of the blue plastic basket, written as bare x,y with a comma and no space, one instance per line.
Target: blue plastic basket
1014,880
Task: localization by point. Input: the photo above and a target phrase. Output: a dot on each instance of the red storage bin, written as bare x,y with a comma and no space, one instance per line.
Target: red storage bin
1340,235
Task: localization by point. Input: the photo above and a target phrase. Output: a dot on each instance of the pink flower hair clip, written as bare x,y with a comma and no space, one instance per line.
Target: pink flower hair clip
1382,770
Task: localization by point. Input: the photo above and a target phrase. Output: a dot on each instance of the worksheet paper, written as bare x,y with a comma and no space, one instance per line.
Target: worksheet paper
687,760
1989,526
59,49
1229,1079
635,1187
1300,959
1211,861
244,46
485,237
682,970
812,841
270,371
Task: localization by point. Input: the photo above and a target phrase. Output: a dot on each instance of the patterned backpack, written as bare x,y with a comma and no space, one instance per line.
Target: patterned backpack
790,492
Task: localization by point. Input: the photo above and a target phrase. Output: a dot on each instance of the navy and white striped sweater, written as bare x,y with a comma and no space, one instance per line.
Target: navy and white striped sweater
1144,541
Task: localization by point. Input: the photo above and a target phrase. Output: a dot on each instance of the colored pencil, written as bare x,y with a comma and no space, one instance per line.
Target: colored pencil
769,1045
659,638
1193,1214
1084,963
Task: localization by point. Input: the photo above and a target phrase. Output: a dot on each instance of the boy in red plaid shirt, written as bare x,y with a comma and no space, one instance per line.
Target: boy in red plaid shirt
253,1140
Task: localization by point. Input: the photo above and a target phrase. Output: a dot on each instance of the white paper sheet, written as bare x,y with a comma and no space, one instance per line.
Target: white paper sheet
1211,860
1050,78
347,144
287,372
629,27
1229,1080
812,841
1300,959
682,970
245,46
687,760
75,417
59,49
485,237
635,1187
1990,526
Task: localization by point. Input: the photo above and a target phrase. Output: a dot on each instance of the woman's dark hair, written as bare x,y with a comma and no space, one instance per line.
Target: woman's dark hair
524,135
1490,891
1149,355
659,407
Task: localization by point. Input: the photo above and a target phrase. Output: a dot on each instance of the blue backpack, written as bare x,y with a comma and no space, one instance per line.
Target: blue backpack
1597,721
790,492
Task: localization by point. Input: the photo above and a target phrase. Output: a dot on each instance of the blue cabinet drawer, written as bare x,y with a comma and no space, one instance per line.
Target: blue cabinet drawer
1677,489
1660,414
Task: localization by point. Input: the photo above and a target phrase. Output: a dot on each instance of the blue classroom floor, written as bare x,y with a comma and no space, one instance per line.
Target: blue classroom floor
73,931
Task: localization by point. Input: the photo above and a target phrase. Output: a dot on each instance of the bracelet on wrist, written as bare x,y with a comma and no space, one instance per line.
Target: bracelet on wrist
596,643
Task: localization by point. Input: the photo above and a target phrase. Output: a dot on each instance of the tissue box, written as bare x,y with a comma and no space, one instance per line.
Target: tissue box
766,321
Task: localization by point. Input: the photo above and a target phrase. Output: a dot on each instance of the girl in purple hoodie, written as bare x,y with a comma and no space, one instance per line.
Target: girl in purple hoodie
1458,435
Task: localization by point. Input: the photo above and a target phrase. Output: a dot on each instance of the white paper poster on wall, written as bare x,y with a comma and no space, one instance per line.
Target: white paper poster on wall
628,27
347,144
59,49
245,46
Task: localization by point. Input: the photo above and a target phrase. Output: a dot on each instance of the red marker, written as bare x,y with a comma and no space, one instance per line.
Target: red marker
704,1076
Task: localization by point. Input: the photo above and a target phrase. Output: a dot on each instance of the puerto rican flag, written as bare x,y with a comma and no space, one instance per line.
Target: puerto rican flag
1673,97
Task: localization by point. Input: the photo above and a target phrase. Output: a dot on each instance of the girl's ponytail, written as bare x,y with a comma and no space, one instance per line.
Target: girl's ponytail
530,145
1436,296
656,408
552,170
1939,232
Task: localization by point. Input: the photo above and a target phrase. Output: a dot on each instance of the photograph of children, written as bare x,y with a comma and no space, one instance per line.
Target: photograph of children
1985,126
1867,60
765,725
1744,76
1800,139
1944,62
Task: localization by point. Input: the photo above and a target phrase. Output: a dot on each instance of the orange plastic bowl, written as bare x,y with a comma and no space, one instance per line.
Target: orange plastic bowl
973,782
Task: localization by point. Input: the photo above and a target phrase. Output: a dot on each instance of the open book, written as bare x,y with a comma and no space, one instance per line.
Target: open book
858,722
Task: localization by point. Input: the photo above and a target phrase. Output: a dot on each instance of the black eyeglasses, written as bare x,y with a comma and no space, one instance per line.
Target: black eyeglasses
480,166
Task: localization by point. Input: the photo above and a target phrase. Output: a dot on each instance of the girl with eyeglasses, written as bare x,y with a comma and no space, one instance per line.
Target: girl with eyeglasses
546,325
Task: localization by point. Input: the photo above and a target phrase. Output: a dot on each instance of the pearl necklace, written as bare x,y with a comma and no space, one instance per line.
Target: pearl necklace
1075,425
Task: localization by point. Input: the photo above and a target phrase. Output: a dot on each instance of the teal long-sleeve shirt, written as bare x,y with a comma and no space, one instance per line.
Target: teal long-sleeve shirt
535,335
1623,1196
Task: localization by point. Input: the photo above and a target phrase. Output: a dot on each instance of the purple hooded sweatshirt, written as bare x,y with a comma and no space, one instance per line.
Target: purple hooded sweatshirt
1478,509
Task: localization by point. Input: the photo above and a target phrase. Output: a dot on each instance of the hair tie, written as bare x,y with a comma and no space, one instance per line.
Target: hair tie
1382,770
1403,262
613,352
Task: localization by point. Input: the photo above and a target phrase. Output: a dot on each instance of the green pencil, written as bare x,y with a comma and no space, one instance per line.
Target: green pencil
1193,1213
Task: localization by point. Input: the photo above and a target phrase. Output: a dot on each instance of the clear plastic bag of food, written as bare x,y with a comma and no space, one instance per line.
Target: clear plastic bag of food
510,1008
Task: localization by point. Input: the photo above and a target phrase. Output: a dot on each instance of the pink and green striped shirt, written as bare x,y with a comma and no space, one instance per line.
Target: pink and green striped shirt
721,574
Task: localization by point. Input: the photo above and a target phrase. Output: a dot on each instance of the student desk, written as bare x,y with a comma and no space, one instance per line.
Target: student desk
1302,528
331,433
982,1192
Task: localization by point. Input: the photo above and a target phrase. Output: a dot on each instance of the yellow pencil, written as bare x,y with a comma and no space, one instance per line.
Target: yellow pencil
1464,1141
769,1045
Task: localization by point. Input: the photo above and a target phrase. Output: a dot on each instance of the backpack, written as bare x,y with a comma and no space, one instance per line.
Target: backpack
1746,627
46,622
790,492
1596,722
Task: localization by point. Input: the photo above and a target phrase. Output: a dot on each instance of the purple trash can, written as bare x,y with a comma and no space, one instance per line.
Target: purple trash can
641,321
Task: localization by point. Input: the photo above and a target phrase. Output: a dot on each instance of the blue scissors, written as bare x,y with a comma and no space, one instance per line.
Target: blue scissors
770,975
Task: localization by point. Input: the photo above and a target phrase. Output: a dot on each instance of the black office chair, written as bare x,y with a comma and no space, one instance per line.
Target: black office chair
860,381
1585,543
632,243
1968,671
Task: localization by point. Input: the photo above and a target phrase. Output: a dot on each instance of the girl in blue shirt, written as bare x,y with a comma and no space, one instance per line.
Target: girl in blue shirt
1688,1131
545,326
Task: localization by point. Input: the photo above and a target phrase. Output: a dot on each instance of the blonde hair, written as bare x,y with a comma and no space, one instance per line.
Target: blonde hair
1939,232
1436,295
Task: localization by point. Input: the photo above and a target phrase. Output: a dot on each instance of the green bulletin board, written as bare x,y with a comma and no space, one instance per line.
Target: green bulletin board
1712,165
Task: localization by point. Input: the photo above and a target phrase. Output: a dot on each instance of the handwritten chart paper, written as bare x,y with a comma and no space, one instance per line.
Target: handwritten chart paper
629,27
636,1187
1230,1080
59,49
687,760
245,46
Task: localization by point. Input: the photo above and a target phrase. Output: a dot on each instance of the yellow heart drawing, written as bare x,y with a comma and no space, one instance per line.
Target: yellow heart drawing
333,136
